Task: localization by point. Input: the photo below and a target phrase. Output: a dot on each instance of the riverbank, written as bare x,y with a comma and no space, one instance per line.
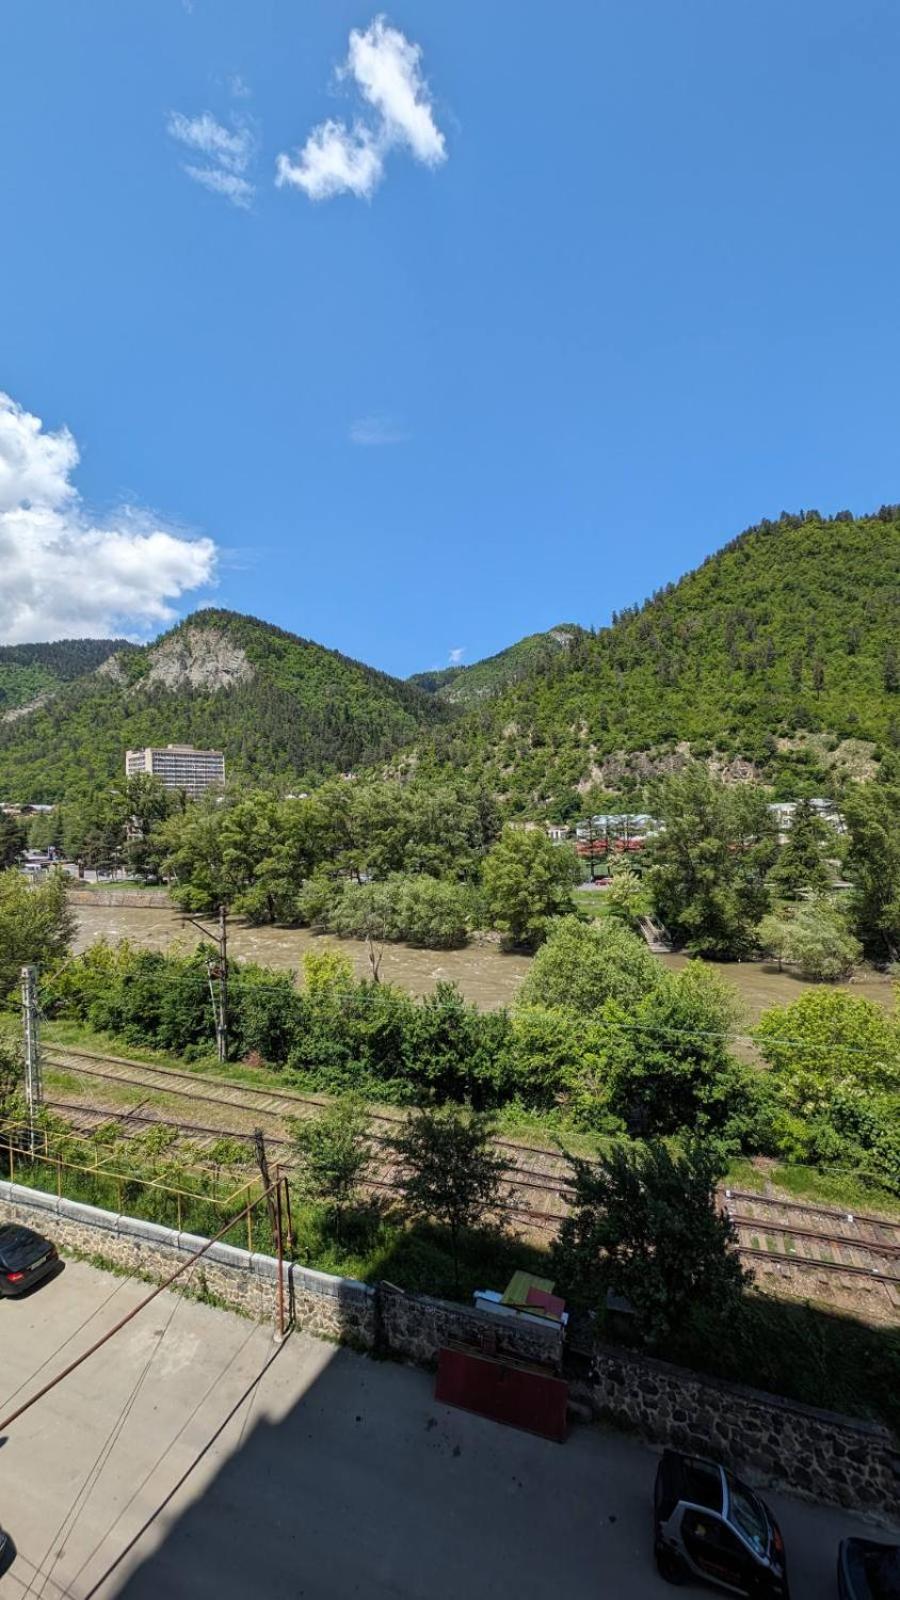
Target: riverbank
487,976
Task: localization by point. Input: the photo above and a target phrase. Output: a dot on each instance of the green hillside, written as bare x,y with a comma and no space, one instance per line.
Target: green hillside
779,657
30,670
467,686
282,708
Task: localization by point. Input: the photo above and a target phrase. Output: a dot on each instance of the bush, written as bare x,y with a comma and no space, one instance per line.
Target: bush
584,964
420,910
526,882
814,938
645,1224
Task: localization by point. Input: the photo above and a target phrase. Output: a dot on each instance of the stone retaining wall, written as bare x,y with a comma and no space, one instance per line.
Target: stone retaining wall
415,1326
148,899
815,1453
331,1308
819,1454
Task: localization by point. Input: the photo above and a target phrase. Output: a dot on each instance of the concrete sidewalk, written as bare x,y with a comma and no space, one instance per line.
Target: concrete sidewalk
191,1458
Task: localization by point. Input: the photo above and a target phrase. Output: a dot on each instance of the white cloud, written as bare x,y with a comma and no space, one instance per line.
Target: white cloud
239,88
234,188
386,67
337,159
456,655
228,151
65,573
376,430
334,160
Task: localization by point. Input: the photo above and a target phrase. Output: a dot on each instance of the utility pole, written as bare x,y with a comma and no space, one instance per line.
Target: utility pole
262,1161
217,973
34,1089
222,1029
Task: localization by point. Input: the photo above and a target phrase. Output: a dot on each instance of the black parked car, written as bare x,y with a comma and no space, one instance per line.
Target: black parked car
868,1570
707,1524
25,1258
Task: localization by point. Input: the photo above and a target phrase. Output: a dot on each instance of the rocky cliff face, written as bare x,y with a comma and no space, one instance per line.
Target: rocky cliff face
198,658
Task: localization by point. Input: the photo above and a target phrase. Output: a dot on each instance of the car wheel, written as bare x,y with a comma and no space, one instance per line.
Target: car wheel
669,1564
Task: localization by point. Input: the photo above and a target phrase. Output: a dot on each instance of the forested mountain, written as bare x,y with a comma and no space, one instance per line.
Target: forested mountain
466,686
30,670
779,657
282,708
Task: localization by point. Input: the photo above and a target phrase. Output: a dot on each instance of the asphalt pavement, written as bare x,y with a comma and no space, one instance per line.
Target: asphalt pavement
192,1457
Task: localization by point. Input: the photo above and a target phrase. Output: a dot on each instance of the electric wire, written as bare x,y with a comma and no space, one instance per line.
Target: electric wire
79,1502
213,1384
26,1382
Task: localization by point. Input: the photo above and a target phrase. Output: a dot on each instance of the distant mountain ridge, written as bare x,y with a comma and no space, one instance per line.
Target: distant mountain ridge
28,671
282,708
466,685
778,658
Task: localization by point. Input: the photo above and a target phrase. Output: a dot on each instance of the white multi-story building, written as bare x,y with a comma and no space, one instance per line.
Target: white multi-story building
179,766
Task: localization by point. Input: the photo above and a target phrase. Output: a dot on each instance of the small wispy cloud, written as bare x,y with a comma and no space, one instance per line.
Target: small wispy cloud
384,68
228,153
239,88
377,430
456,655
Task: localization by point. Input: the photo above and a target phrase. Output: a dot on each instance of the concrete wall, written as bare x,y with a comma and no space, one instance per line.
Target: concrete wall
817,1453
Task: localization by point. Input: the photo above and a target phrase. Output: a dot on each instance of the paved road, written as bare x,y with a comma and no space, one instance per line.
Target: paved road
192,1459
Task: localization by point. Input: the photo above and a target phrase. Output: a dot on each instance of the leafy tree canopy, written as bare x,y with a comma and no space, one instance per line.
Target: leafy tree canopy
644,1223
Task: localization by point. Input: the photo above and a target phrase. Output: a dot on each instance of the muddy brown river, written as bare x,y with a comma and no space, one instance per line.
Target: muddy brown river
483,972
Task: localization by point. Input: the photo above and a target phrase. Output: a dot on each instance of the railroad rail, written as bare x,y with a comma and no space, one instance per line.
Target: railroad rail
791,1236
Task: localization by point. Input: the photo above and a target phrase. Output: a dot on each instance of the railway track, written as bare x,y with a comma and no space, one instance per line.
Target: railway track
791,1239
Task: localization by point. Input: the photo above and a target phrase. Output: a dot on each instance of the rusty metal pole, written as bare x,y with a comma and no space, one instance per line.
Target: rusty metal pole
279,1335
290,1219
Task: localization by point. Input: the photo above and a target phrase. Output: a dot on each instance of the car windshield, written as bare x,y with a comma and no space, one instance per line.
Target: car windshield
747,1515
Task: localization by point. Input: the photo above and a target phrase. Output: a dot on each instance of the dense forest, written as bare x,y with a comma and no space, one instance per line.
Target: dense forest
778,658
466,686
29,670
280,707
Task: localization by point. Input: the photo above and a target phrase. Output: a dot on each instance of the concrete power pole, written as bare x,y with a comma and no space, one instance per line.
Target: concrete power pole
217,973
34,1088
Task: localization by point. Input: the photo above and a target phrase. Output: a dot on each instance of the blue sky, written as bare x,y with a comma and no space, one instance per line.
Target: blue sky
615,281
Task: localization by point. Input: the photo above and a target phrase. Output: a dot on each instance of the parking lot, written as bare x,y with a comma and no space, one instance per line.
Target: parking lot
193,1457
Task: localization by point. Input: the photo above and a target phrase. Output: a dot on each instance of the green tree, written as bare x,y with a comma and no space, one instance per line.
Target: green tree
669,1065
12,840
45,829
528,881
449,1171
455,1050
644,1223
825,1038
708,865
94,828
148,804
556,1052
12,1075
584,964
814,938
872,814
800,863
627,897
334,1155
834,1082
37,925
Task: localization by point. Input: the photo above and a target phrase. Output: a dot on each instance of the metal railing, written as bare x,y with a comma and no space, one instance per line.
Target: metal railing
139,1195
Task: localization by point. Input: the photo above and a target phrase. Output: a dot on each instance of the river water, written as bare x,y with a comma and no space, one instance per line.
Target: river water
485,975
